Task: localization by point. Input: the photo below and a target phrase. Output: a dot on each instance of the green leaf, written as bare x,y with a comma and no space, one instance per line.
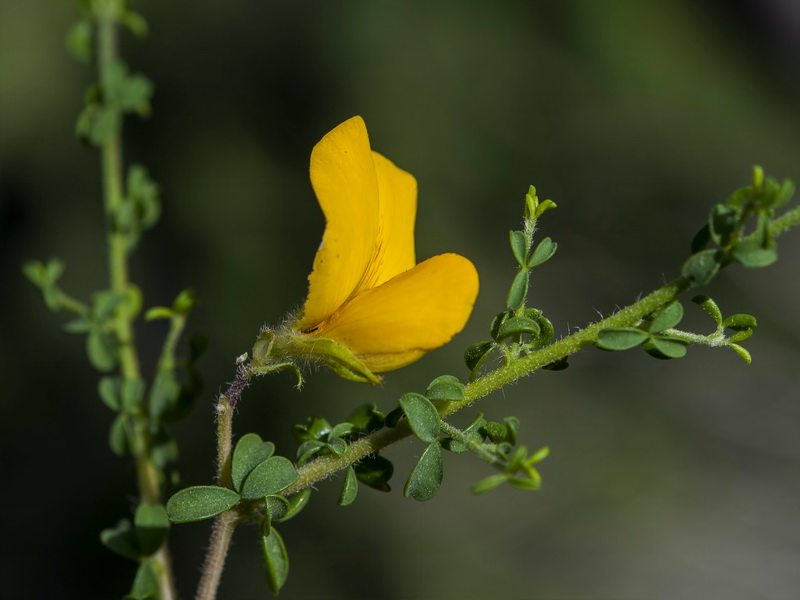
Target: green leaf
741,335
393,417
518,326
276,560
337,446
308,449
341,430
543,252
297,503
101,349
476,354
314,429
200,502
445,388
519,246
109,390
118,436
102,124
740,197
121,540
665,347
742,352
250,451
184,303
667,317
620,338
708,305
491,482
159,312
152,525
512,426
544,206
164,448
784,194
366,418
519,290
375,471
701,239
134,22
79,40
422,416
426,477
523,483
497,322
143,196
164,394
271,476
350,487
723,223
475,432
740,322
701,267
131,394
145,583
496,432
750,253
275,508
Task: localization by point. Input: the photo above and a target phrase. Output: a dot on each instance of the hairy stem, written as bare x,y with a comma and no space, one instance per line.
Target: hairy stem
225,523
111,157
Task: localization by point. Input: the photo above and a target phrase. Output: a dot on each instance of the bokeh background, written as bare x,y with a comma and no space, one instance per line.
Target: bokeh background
670,480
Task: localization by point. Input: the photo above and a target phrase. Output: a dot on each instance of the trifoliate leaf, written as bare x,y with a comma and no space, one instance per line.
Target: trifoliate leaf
667,317
477,353
152,524
145,584
742,352
297,503
491,482
276,560
109,390
750,253
375,471
543,252
518,326
519,246
723,222
740,322
519,290
665,347
367,418
445,388
350,487
121,539
701,267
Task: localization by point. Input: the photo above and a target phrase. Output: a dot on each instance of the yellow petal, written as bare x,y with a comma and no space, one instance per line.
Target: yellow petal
394,324
346,185
394,247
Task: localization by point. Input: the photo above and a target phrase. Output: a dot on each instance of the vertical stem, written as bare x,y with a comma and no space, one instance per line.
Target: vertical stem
221,535
111,157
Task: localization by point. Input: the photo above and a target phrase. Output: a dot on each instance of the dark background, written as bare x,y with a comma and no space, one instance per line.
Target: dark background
673,480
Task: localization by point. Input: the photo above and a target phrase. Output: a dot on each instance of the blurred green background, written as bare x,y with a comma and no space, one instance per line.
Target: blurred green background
666,480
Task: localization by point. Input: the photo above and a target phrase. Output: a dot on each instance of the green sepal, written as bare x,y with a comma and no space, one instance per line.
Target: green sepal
708,305
491,482
422,416
665,347
620,338
666,317
445,388
519,246
121,539
367,418
543,252
701,267
518,326
519,290
276,560
426,477
146,585
752,254
375,471
271,476
349,488
200,502
337,357
250,451
297,503
742,352
740,322
152,525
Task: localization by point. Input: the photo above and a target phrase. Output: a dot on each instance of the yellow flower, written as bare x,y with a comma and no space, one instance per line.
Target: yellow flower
368,300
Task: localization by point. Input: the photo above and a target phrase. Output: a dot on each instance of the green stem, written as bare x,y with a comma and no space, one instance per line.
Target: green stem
472,445
214,563
111,157
325,466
